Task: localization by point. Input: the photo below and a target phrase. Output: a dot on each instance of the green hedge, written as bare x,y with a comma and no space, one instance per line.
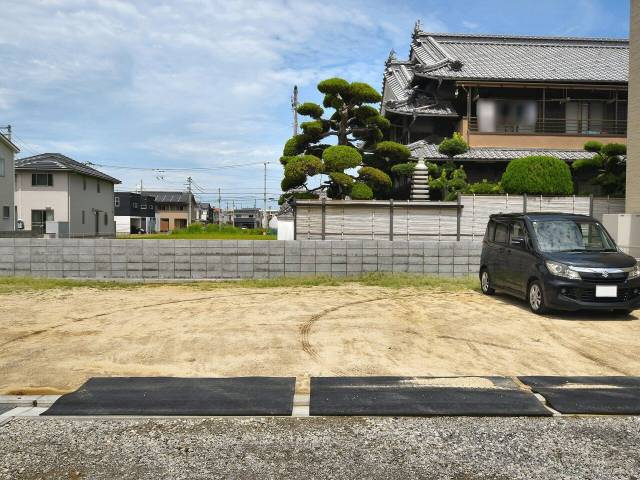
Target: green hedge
539,175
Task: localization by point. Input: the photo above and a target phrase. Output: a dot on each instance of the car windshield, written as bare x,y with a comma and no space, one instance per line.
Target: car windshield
572,236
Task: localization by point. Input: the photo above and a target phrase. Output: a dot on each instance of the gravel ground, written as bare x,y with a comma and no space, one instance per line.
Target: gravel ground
348,447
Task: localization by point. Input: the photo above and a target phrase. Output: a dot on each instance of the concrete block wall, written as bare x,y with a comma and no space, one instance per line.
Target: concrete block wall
215,259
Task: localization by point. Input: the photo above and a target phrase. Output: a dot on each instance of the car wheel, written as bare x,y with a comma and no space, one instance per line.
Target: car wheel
485,282
535,296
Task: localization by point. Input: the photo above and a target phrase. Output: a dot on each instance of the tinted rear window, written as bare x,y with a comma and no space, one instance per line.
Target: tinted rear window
501,233
491,228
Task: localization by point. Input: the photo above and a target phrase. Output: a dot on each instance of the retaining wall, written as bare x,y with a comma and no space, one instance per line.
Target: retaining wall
200,259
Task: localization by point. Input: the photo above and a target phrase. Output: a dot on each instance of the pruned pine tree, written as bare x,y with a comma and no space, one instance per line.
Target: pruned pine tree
349,136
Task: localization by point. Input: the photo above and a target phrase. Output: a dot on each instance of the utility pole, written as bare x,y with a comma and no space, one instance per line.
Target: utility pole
146,229
294,107
189,180
233,213
265,219
219,210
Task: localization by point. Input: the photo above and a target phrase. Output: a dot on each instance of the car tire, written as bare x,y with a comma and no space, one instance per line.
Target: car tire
485,282
535,298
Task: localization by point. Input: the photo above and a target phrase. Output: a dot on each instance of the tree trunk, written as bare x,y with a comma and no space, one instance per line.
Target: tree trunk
342,127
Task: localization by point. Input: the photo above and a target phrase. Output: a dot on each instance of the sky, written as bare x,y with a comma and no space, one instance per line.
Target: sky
158,90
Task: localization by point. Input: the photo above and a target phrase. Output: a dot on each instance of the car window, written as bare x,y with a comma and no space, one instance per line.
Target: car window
501,233
517,230
491,228
572,236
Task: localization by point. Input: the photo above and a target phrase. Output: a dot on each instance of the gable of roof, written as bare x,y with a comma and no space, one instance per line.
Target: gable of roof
422,150
59,162
521,58
9,143
170,197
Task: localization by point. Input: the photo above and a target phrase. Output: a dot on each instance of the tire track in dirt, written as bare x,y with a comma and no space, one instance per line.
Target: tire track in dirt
126,309
305,328
563,342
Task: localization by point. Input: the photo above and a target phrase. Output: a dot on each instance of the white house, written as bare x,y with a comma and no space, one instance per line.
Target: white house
54,188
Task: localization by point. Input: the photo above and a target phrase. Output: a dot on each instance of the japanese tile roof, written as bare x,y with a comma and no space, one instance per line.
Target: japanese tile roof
520,58
440,56
429,151
170,197
59,162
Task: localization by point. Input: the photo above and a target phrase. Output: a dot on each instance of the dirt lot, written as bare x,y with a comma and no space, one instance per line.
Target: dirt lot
56,339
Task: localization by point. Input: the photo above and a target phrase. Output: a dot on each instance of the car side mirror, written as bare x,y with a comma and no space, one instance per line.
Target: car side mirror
518,242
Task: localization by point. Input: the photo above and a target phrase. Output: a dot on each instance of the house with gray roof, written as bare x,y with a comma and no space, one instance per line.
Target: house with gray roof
56,194
7,151
174,210
508,96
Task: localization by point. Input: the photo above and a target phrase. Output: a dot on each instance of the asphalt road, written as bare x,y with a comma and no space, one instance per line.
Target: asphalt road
339,447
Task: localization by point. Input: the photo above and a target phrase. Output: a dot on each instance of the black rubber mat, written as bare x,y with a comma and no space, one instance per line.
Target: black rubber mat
420,396
179,396
588,395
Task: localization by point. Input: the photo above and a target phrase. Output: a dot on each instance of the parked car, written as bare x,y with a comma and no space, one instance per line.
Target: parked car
558,261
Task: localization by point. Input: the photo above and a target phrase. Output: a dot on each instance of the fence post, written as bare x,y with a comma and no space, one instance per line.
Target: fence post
591,205
391,219
324,215
524,202
295,219
458,219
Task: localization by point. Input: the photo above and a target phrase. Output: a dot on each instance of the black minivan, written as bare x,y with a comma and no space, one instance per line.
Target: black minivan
558,261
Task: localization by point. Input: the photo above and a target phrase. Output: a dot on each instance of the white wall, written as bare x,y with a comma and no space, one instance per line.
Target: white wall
285,229
29,197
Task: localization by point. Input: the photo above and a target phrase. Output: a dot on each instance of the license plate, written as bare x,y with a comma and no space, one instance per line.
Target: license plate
606,290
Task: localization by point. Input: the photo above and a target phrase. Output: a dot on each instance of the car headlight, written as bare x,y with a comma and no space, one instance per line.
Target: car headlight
562,270
635,272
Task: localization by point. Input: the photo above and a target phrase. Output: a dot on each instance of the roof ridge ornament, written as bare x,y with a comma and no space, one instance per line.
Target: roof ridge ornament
417,29
391,58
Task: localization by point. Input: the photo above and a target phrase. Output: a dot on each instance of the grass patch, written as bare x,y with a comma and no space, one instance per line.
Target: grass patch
395,281
31,284
198,231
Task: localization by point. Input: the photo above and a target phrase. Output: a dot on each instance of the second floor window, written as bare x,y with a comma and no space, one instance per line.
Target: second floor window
84,183
116,201
98,183
42,179
2,162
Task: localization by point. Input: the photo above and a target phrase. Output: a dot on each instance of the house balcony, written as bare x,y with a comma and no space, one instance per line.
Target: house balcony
543,133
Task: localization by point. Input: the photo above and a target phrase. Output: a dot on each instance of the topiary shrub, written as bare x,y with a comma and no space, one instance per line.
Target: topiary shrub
341,157
363,92
294,145
312,129
613,149
310,109
374,176
298,196
342,179
334,86
485,188
593,146
405,169
453,146
538,175
393,152
361,191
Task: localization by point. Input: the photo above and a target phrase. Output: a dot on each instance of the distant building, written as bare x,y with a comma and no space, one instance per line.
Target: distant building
172,209
134,212
7,179
205,212
247,218
76,198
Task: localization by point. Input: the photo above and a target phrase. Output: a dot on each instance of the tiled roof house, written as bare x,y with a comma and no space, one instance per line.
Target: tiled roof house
509,96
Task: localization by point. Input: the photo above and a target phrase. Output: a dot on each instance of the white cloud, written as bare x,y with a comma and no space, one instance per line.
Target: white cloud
193,82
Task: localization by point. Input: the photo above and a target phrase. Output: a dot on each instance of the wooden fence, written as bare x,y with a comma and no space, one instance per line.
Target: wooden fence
406,220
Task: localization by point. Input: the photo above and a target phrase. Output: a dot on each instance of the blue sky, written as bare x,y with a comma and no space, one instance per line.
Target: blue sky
205,85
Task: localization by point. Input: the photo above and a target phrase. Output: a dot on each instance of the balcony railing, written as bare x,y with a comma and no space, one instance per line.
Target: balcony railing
555,126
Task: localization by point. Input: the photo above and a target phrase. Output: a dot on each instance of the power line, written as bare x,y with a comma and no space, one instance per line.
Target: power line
173,169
